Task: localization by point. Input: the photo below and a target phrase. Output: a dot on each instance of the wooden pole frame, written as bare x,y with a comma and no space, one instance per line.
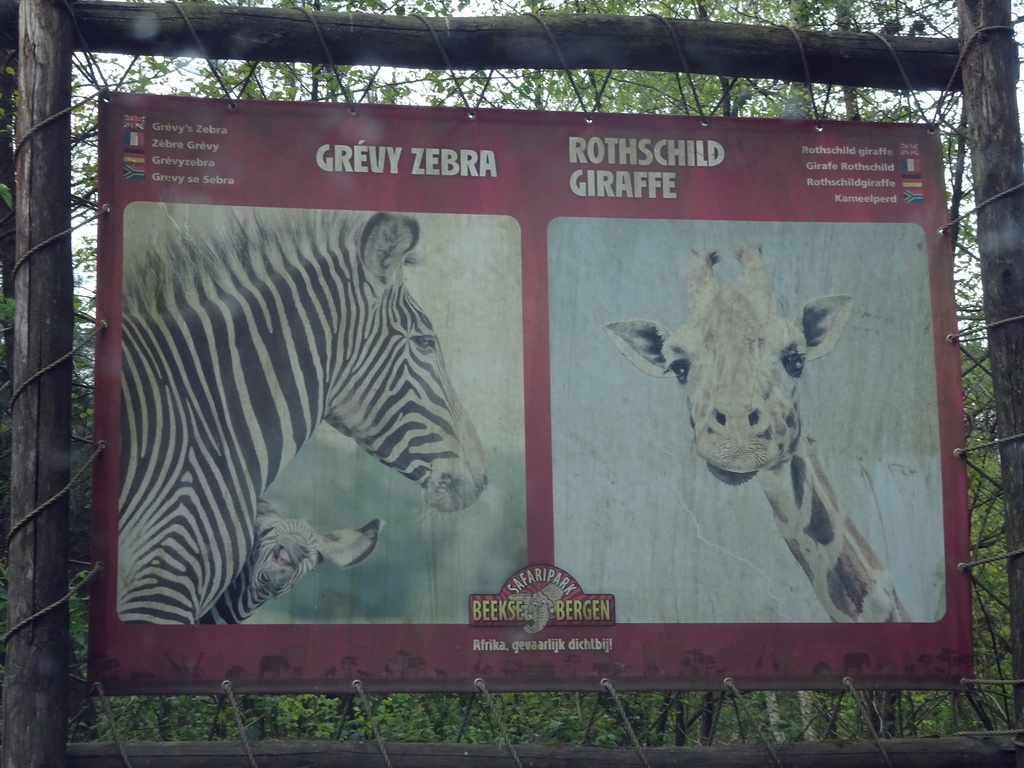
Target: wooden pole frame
36,684
991,72
949,752
581,41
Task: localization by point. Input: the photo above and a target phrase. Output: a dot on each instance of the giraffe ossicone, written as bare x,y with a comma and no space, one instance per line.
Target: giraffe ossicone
739,362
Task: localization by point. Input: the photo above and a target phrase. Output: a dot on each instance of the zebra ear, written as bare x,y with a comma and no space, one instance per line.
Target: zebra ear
350,546
265,514
387,238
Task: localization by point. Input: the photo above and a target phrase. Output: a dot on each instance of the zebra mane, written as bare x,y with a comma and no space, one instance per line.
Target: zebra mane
175,254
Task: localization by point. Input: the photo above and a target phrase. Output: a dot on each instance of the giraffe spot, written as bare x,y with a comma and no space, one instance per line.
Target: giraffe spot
820,527
847,586
794,547
798,473
794,442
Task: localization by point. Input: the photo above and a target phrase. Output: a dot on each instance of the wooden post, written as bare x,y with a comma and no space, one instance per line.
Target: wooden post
585,41
36,685
990,72
947,752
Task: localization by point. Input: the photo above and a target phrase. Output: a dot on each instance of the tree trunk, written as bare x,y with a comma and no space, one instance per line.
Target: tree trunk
990,73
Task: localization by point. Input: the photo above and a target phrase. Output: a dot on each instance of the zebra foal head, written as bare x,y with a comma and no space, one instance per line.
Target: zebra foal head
286,550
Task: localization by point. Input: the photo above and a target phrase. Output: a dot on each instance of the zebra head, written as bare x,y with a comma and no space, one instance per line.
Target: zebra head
395,399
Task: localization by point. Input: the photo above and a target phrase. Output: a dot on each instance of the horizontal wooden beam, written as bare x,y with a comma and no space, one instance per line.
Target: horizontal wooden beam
948,752
583,41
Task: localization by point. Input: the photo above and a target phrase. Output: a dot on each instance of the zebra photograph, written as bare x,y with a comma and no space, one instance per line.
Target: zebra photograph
281,387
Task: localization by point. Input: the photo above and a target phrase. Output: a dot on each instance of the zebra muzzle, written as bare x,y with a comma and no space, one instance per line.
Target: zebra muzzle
450,491
282,558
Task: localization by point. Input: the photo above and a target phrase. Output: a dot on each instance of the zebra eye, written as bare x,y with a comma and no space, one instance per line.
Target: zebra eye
425,342
793,362
681,369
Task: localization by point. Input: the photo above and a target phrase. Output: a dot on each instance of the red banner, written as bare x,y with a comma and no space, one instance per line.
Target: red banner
417,396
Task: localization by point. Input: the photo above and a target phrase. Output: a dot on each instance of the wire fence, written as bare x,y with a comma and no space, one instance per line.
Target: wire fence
605,717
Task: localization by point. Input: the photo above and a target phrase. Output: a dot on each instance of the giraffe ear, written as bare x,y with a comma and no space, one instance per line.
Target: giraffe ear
823,320
641,342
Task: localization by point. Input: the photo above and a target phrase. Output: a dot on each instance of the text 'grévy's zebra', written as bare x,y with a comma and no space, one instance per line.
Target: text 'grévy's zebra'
243,330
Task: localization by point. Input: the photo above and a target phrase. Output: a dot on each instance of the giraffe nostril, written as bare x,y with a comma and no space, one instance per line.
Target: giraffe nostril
720,417
754,417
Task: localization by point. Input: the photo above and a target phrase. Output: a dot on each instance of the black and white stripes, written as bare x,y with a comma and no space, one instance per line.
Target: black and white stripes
243,330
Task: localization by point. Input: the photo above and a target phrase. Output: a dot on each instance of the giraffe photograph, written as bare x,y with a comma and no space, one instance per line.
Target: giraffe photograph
752,406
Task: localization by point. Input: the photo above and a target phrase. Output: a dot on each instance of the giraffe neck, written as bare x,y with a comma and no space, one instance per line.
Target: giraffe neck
846,574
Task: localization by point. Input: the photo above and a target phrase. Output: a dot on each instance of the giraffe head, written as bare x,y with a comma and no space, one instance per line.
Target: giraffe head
739,362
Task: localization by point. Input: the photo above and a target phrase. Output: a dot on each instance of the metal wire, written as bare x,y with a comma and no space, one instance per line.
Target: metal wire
970,43
996,197
911,94
686,69
72,591
993,559
327,53
961,452
226,685
205,55
365,700
866,716
72,483
807,75
607,685
765,736
565,66
499,721
447,63
112,722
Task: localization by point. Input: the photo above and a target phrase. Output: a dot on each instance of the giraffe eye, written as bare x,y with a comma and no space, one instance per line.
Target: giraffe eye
793,362
681,369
